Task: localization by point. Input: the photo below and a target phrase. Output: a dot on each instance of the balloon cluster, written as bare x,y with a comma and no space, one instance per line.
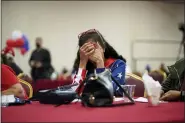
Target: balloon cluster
19,41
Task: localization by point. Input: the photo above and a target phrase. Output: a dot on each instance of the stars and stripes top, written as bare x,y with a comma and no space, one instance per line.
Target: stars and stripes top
117,68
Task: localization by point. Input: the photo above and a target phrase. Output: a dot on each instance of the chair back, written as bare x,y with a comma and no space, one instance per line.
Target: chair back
132,79
25,77
43,84
27,87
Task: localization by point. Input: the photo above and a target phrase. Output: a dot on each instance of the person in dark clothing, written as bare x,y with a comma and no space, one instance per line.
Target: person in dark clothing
173,88
40,62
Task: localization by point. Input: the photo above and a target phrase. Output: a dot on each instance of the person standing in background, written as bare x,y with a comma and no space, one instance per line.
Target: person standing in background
40,62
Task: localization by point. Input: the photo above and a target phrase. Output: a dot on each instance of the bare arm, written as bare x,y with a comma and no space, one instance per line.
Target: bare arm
16,90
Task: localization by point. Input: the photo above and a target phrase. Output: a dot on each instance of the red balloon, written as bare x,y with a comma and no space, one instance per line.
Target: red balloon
16,44
23,51
19,42
9,42
9,50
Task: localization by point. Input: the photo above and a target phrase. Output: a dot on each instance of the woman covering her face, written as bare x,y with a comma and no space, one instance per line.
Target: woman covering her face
95,54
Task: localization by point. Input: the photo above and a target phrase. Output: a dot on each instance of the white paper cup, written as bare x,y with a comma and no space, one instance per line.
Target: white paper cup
153,97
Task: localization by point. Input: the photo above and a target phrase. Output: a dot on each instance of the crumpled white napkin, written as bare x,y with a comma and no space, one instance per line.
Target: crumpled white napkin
7,98
153,89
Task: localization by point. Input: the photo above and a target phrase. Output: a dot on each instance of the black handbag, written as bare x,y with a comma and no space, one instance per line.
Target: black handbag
98,90
57,96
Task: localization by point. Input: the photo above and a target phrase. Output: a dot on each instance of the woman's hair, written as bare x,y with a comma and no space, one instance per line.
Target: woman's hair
110,52
6,60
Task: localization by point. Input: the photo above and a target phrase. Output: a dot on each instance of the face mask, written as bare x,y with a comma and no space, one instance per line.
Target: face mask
38,45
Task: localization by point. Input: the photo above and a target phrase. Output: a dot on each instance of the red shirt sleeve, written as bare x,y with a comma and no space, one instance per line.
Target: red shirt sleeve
8,77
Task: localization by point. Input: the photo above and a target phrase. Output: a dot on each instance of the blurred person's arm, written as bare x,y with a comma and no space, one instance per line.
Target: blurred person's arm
10,83
31,60
79,78
169,93
16,90
166,85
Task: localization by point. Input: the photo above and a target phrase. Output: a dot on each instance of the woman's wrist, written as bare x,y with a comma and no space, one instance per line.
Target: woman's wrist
100,64
82,64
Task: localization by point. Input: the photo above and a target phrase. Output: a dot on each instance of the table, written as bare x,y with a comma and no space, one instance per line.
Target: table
140,112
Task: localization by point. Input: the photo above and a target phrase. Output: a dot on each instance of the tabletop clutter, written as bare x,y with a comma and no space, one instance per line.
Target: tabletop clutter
152,88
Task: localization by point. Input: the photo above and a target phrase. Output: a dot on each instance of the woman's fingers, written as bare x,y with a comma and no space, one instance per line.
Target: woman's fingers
165,96
98,46
88,48
87,51
86,45
90,52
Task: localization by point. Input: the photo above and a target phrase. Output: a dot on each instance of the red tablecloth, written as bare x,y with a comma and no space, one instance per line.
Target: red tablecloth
140,112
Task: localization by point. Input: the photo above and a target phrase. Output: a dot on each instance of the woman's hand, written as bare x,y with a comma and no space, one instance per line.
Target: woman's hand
97,57
16,90
85,51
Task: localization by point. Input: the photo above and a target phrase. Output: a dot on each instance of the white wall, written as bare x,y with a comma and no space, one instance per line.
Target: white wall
60,22
156,22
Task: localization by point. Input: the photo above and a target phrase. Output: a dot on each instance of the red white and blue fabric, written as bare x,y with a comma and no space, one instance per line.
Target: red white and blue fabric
117,68
18,40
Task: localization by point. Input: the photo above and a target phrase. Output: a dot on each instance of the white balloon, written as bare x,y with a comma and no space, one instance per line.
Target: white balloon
16,34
